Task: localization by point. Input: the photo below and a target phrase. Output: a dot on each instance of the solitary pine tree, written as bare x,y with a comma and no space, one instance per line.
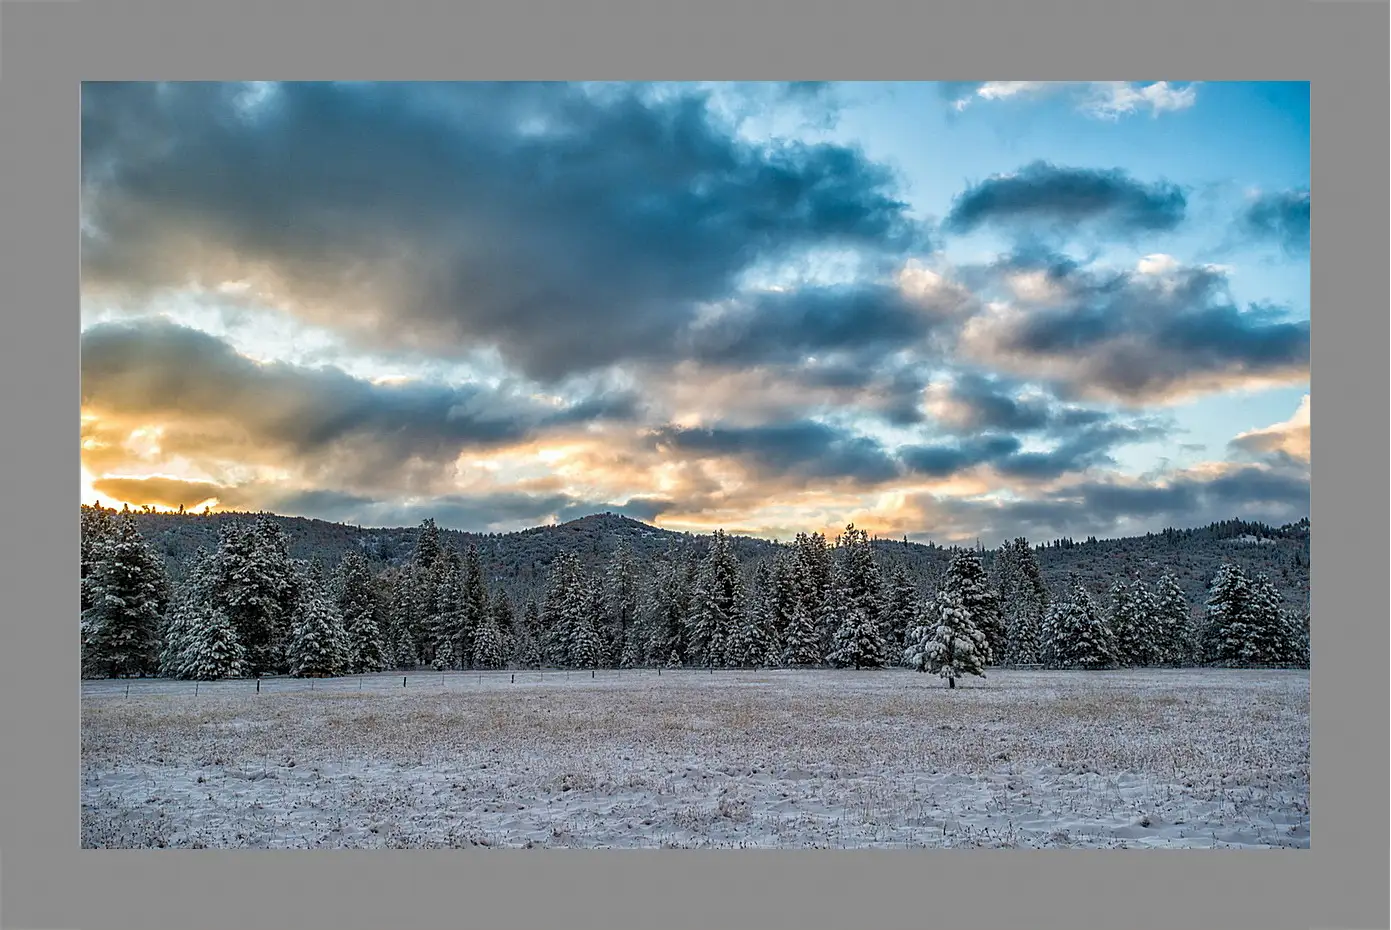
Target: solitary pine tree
127,593
955,646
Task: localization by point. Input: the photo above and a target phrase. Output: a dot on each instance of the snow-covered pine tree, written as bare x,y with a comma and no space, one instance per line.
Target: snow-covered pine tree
274,550
1268,643
673,660
253,584
900,608
585,645
500,609
560,609
1081,637
919,633
487,644
475,603
784,591
1177,643
814,565
127,591
404,647
968,578
859,642
1145,609
955,647
526,643
191,604
752,640
621,589
715,603
97,528
428,548
356,597
1297,635
212,651
318,644
1131,618
1227,632
861,582
1023,602
801,646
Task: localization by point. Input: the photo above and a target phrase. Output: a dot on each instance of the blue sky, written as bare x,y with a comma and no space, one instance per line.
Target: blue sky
939,310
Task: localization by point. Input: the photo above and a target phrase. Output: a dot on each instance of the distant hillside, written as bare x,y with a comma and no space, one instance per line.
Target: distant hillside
520,560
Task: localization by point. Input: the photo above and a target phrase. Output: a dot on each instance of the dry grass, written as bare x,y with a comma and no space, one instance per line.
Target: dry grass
733,759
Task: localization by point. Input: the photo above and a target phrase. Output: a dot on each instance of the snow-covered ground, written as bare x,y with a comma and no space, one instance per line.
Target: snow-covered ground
1168,758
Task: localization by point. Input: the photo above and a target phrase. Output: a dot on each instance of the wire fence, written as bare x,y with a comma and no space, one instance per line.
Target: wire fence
387,682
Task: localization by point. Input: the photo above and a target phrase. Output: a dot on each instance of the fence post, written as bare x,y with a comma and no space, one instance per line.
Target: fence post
591,673
195,688
514,678
127,689
258,686
403,681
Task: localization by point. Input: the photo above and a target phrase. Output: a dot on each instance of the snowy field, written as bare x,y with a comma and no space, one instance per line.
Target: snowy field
891,759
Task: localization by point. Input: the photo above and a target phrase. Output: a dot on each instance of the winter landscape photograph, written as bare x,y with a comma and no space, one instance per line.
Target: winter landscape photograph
695,465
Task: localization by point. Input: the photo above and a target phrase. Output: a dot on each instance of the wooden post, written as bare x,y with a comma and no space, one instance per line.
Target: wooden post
258,686
403,681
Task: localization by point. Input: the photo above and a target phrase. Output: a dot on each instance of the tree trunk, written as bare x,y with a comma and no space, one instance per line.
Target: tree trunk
951,682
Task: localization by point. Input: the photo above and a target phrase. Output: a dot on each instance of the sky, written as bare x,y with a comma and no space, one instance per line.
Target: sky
946,311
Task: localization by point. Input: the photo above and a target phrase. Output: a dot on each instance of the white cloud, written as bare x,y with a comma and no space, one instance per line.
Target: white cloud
1107,100
1113,99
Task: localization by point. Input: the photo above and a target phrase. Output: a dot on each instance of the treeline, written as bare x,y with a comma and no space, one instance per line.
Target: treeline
248,608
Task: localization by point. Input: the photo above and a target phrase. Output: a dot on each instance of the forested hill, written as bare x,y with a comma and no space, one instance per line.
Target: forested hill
519,561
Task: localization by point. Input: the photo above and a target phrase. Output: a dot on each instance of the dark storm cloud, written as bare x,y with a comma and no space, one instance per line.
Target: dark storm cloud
807,450
1143,337
1108,507
1077,448
161,371
501,511
1046,196
788,326
1281,217
945,460
572,228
